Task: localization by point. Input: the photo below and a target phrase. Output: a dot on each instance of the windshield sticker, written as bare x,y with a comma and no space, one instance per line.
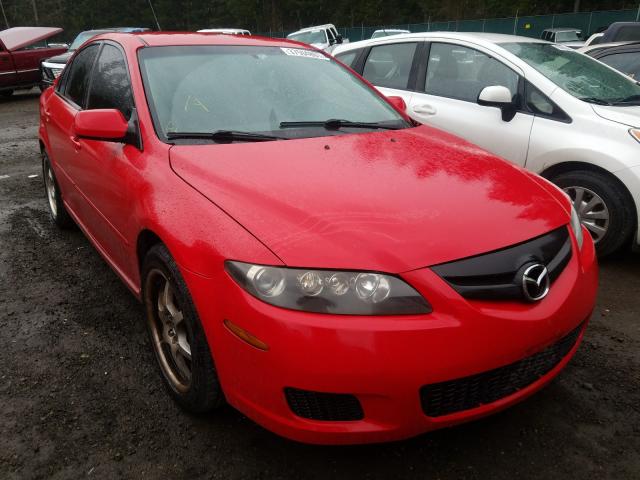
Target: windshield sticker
299,52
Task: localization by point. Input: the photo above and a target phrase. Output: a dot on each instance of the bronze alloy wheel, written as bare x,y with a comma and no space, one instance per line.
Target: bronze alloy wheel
50,187
169,334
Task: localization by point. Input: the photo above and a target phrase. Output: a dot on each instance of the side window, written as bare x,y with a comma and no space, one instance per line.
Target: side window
110,87
539,104
77,79
454,71
331,35
390,65
348,57
627,63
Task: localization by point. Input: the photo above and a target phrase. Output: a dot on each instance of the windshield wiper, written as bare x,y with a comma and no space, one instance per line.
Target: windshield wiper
225,136
335,124
595,100
633,100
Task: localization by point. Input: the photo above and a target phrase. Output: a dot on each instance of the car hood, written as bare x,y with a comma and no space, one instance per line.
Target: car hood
19,37
626,115
391,201
61,59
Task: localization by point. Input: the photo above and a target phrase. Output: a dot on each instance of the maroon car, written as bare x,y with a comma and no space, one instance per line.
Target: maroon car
21,51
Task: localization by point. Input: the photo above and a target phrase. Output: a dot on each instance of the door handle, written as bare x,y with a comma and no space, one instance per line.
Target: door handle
425,109
76,143
47,115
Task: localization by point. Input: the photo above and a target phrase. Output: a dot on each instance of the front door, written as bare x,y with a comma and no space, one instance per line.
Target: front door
455,76
104,168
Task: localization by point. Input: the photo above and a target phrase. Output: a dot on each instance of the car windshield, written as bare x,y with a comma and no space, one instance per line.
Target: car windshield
316,36
580,75
83,37
204,89
568,36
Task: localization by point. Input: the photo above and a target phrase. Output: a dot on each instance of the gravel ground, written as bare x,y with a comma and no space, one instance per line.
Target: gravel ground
81,396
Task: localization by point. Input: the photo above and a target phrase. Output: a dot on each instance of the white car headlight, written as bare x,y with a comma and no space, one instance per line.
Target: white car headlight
635,133
576,227
329,291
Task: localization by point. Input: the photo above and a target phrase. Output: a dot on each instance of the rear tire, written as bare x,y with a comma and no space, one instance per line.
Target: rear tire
604,206
176,334
57,210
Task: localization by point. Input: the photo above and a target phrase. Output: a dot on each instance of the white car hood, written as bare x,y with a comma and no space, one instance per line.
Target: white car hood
626,115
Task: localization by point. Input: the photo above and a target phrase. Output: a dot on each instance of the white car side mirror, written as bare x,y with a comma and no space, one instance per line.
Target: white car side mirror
500,97
495,96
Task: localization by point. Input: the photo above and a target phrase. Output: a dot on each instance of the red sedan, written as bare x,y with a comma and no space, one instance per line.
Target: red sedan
303,250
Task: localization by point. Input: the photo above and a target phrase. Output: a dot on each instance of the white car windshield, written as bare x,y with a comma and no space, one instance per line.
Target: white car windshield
84,36
204,89
567,36
311,37
580,75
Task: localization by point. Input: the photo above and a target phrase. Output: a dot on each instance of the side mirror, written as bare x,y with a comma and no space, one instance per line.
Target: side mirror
108,125
500,97
339,39
398,102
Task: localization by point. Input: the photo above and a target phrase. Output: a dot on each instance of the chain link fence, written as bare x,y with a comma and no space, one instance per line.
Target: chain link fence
529,26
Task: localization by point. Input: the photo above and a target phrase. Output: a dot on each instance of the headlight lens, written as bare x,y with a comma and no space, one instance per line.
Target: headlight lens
576,226
329,291
635,133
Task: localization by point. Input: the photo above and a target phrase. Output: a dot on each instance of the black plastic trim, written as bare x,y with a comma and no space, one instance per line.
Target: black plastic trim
494,275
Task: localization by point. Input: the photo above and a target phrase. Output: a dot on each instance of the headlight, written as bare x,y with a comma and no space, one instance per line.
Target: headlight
328,291
635,133
576,226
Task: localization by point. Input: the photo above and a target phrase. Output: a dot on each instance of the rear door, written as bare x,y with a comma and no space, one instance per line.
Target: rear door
447,93
59,112
392,67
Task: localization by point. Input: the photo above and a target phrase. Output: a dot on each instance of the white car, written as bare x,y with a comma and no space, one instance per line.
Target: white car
323,37
387,32
570,37
227,31
540,105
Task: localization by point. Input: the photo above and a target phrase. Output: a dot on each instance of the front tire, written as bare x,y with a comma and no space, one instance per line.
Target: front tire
603,205
176,334
57,210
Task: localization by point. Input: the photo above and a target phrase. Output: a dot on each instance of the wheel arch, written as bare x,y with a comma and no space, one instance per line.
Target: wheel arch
146,240
563,167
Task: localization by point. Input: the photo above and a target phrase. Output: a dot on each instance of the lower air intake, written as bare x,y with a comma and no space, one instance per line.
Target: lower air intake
465,393
330,407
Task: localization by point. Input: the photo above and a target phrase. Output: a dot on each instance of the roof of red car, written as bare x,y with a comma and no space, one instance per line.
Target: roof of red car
163,39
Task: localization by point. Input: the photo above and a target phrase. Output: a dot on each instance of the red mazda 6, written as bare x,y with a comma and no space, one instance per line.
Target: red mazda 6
302,249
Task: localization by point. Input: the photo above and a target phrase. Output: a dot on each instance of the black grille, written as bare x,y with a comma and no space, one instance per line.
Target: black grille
333,407
457,395
496,275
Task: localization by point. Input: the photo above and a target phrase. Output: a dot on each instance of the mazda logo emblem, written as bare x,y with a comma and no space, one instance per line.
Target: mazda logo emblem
535,282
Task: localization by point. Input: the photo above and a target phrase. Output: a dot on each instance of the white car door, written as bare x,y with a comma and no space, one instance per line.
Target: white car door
454,78
388,67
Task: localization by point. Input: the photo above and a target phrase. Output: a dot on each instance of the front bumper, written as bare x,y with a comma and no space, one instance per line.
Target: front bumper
383,361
